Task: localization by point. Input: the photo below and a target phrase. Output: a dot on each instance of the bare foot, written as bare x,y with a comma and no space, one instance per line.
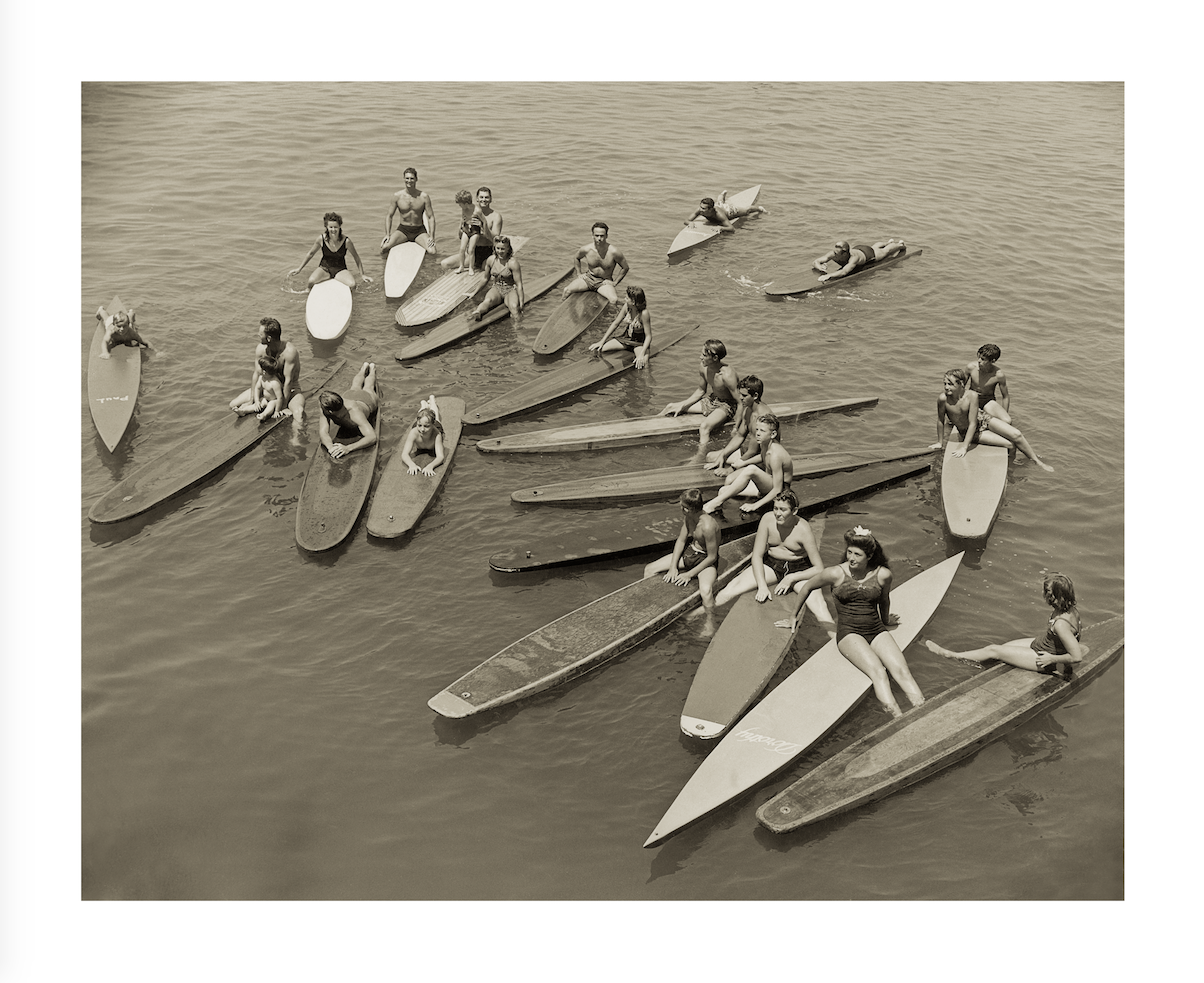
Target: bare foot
787,623
1041,464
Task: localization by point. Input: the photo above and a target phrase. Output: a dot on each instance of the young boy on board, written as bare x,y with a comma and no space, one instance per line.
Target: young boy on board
695,554
267,393
959,406
119,329
721,213
750,404
770,469
716,392
987,379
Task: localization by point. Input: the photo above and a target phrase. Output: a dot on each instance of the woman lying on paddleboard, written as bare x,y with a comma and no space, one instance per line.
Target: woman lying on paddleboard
636,335
861,590
505,280
334,246
426,435
1058,646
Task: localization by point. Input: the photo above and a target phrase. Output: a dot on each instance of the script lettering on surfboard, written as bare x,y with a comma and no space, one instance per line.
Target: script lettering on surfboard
110,399
752,737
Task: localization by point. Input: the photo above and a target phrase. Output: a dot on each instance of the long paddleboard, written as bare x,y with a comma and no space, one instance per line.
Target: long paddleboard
569,321
333,493
402,498
580,640
453,329
612,539
944,729
328,309
808,283
740,661
700,230
645,430
445,293
402,266
666,482
112,387
972,488
186,463
799,711
569,378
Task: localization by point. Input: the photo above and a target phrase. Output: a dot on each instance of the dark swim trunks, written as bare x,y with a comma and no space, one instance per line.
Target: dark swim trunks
412,232
783,567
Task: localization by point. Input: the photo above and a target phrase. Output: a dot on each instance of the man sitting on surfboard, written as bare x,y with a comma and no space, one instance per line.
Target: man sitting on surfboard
987,379
598,274
721,213
271,344
119,329
959,406
353,410
481,232
410,204
695,554
751,396
716,392
851,258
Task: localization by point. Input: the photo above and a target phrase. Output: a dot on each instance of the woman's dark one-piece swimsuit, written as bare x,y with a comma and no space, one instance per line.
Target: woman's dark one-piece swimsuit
857,607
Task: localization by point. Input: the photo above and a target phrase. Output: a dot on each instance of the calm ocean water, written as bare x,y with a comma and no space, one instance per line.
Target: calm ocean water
254,719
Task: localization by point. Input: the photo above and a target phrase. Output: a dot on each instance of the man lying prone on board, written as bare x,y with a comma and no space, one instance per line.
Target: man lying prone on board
851,258
721,213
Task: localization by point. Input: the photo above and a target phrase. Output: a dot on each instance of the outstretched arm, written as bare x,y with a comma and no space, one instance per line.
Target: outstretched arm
821,264
358,261
308,256
597,346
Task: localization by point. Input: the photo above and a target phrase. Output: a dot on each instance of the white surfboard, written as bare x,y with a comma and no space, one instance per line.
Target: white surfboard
328,309
402,264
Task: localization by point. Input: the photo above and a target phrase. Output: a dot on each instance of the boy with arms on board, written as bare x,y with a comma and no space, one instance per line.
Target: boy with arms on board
959,406
750,395
119,329
271,344
721,213
851,258
410,204
770,469
695,554
716,392
987,379
353,410
601,258
487,226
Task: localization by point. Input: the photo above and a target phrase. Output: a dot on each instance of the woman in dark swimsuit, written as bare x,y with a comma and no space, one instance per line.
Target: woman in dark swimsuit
505,280
1058,646
636,335
861,590
334,246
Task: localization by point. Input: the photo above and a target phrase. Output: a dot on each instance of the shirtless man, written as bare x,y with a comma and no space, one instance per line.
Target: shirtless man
770,469
987,379
410,204
721,214
491,226
750,393
271,344
850,258
695,554
601,258
119,329
959,406
716,392
354,409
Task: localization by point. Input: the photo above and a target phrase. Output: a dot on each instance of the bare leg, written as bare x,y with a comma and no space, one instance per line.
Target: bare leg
347,277
370,377
576,286
706,587
858,651
1017,652
1016,437
318,276
887,649
742,583
737,482
658,566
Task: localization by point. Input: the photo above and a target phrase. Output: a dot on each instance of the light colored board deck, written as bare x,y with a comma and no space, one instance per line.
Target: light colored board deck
112,388
808,283
402,265
568,322
700,231
442,296
972,488
328,309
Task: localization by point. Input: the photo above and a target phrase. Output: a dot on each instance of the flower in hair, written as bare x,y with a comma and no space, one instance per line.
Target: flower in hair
862,531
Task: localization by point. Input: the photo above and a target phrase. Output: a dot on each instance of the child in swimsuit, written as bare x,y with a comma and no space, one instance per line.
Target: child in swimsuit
267,395
470,229
426,435
119,329
1058,648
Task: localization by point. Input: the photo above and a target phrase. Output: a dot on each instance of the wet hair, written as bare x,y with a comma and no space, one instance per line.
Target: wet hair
789,497
486,190
463,198
772,421
754,385
691,499
329,401
504,241
709,202
271,365
331,217
600,225
427,412
874,554
271,328
636,296
410,170
989,352
715,348
1059,592
960,374
842,245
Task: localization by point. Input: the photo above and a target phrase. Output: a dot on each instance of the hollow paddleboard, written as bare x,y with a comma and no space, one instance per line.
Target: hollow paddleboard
580,640
931,737
328,309
972,488
700,230
665,482
647,429
112,387
613,539
799,711
568,322
442,296
187,463
453,329
568,378
402,498
807,283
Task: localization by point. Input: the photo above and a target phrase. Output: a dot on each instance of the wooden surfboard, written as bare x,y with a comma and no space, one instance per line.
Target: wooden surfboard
402,265
613,538
931,737
667,482
808,283
700,230
333,493
972,488
442,296
647,429
569,321
401,498
112,388
740,661
580,640
453,329
328,309
569,378
799,712
188,462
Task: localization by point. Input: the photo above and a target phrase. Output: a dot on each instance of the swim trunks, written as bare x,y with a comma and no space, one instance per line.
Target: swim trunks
709,404
593,281
857,607
365,398
868,252
483,250
783,567
412,231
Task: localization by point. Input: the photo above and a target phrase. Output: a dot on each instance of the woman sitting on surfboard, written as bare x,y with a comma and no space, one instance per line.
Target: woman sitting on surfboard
505,280
770,469
425,435
636,335
334,246
267,395
861,590
1059,646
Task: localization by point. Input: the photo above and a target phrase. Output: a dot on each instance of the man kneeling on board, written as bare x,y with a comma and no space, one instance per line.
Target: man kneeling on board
695,554
851,258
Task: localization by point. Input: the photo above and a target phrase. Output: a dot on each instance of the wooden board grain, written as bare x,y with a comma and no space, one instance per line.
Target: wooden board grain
568,322
328,309
112,387
442,296
944,729
972,488
699,231
808,282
